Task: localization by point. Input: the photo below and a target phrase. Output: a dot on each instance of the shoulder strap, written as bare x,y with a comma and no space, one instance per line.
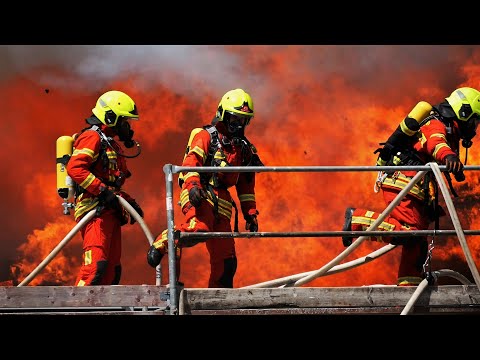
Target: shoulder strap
214,139
105,141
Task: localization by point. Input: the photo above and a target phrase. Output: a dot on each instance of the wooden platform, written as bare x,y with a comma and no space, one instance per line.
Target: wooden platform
155,300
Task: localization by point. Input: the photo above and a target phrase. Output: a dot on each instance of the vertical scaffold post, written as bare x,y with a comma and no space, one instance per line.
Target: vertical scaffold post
167,169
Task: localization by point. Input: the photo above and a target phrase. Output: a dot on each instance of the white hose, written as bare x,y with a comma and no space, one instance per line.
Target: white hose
422,286
337,268
59,247
77,228
360,239
137,217
456,223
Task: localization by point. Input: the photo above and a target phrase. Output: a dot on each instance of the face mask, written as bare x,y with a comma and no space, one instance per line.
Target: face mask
468,130
125,133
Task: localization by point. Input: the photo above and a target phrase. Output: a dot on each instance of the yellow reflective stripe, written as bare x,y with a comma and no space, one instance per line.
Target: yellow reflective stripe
189,174
401,182
111,154
409,280
366,222
87,258
246,197
192,223
438,147
438,135
81,283
227,214
85,151
184,197
86,183
405,129
199,151
224,203
84,206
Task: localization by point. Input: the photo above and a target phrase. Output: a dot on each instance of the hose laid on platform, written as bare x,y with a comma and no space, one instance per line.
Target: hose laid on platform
423,285
76,229
418,176
336,269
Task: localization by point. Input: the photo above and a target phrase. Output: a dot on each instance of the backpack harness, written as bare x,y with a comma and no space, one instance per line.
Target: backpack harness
210,180
407,156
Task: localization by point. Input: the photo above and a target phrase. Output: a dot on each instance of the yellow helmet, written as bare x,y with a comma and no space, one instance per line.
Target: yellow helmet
112,105
465,102
237,102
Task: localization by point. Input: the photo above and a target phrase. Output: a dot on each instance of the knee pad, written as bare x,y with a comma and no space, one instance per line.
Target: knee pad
100,272
229,269
118,275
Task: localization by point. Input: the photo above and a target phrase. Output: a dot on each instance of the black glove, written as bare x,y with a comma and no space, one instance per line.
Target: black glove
251,223
154,257
138,209
196,195
455,166
108,198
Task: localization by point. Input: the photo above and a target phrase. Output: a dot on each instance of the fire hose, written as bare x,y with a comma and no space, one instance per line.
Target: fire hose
77,228
423,285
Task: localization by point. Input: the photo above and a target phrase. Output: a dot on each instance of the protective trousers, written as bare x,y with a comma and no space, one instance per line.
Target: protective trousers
406,216
223,260
101,251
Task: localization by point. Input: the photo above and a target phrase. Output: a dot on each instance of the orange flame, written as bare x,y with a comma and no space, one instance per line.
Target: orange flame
313,106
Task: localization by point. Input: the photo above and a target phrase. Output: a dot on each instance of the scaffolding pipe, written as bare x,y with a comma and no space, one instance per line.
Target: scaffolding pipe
346,168
359,240
333,234
173,301
456,222
169,169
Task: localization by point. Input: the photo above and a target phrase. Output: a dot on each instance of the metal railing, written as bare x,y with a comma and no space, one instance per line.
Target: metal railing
170,170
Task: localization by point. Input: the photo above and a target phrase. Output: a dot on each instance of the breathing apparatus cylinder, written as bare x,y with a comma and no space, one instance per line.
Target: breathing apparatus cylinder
65,185
405,132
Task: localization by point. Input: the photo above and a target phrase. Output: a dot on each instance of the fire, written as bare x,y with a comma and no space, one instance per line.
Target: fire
319,105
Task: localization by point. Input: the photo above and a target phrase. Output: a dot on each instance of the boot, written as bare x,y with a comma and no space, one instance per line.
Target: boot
347,226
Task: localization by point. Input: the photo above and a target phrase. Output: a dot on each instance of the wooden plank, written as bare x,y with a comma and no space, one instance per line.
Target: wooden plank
84,313
154,299
84,296
302,311
366,296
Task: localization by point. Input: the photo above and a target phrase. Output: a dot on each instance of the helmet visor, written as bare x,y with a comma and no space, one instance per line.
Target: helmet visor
237,120
112,119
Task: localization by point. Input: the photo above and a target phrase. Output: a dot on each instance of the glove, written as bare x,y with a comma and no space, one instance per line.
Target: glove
138,209
251,223
196,195
455,166
108,198
154,256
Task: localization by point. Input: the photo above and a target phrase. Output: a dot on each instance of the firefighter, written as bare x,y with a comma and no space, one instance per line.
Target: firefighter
98,166
427,134
205,199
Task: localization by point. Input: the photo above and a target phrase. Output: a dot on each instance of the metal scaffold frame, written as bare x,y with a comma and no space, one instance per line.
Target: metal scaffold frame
174,299
332,266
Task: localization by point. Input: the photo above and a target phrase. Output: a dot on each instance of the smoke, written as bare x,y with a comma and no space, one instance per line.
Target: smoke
314,105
